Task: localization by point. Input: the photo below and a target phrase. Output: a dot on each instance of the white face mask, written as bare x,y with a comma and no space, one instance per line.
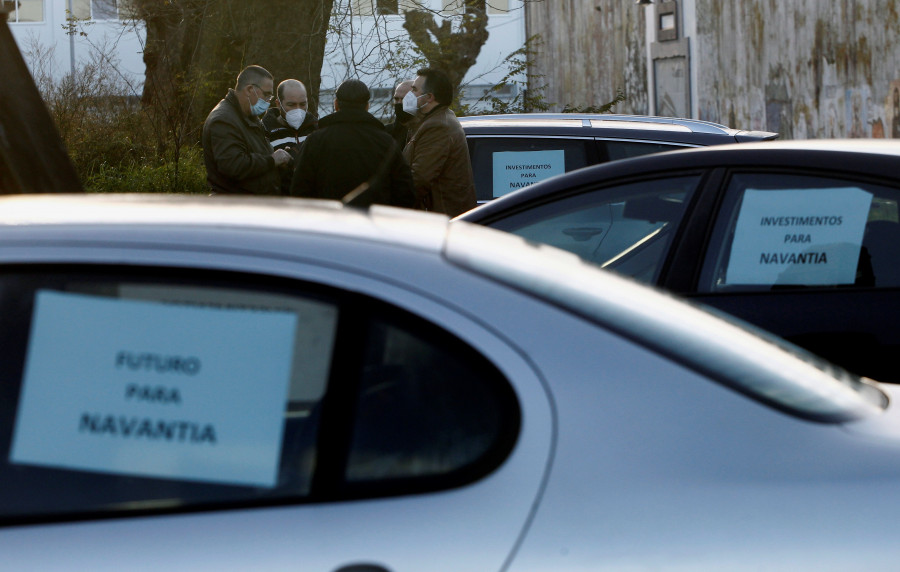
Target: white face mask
410,103
295,117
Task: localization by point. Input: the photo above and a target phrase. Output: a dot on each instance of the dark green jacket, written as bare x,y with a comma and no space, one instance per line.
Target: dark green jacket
237,154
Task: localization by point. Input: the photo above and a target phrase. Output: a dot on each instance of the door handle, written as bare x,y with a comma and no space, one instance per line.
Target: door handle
362,568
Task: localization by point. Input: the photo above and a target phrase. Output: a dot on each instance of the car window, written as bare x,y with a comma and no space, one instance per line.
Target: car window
627,228
611,150
501,165
795,231
127,392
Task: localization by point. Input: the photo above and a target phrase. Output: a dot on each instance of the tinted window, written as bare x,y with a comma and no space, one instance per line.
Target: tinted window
778,231
502,165
613,150
394,437
130,392
628,228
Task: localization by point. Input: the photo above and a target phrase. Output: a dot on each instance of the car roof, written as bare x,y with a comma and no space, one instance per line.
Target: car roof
379,225
608,125
758,366
863,157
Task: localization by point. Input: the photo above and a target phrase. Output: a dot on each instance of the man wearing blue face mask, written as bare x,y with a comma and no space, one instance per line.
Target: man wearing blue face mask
237,155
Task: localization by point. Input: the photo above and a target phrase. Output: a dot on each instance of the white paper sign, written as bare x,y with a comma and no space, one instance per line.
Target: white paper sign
810,237
157,390
514,170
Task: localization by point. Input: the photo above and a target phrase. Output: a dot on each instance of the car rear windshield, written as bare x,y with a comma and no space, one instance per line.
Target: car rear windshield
734,353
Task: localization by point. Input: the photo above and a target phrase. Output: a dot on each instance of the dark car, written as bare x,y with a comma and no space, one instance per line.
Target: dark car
800,238
509,152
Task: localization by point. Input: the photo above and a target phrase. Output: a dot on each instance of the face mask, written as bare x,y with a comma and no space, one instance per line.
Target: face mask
410,103
295,117
402,116
259,107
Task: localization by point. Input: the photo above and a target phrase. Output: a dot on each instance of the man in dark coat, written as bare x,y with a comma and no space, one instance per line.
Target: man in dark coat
437,151
351,157
288,123
237,155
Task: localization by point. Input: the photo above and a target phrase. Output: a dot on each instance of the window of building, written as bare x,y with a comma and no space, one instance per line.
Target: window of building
387,7
498,6
454,7
363,8
95,9
24,10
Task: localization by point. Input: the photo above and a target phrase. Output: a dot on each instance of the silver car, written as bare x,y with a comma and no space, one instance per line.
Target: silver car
239,384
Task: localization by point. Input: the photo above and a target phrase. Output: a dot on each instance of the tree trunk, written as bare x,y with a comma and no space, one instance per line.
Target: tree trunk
196,48
452,52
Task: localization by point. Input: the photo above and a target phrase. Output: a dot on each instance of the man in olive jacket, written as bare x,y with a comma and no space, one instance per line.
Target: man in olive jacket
237,155
351,158
437,152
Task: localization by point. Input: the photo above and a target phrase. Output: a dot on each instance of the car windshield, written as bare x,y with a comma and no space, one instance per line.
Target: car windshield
627,228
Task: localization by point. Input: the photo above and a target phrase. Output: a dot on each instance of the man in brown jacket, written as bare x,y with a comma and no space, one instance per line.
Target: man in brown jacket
437,152
237,154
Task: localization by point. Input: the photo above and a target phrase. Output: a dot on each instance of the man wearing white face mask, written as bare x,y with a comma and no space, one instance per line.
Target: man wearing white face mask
288,123
237,155
437,151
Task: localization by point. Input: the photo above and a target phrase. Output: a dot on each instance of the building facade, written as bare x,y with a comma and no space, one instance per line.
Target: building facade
367,41
803,68
58,37
363,34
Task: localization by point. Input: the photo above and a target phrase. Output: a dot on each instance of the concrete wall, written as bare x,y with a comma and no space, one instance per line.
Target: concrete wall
590,50
803,68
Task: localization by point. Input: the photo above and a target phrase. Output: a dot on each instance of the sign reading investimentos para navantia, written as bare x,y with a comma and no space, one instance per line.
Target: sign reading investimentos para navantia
810,237
514,170
151,389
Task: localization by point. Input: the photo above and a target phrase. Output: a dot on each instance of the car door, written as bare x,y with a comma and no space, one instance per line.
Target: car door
812,257
292,416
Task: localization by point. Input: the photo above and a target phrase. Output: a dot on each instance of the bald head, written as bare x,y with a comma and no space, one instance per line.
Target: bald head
292,95
402,89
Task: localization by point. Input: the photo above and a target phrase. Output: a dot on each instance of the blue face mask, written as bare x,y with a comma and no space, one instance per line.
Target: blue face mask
260,107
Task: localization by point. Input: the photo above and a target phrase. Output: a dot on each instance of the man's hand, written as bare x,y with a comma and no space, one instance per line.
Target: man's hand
281,157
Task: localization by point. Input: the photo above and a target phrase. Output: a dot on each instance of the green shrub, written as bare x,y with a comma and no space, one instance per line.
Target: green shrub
151,177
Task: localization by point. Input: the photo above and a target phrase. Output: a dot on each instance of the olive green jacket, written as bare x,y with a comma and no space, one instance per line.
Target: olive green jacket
237,155
439,158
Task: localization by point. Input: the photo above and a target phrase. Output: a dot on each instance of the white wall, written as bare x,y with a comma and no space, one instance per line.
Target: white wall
506,34
112,37
350,53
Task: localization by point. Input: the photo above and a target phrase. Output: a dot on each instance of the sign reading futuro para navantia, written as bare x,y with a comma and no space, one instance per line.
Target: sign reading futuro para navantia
157,390
810,237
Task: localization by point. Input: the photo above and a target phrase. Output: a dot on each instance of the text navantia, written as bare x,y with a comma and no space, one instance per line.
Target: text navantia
145,428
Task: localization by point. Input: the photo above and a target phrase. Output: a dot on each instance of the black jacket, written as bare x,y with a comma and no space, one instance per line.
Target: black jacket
351,149
283,136
237,154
